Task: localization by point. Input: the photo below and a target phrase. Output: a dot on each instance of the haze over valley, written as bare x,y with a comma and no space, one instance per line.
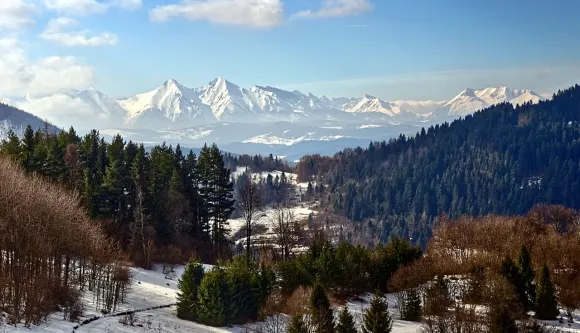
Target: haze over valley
259,120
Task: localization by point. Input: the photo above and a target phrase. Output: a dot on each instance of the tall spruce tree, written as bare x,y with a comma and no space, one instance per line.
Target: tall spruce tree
217,193
377,318
546,303
527,276
188,287
29,144
512,273
345,322
322,316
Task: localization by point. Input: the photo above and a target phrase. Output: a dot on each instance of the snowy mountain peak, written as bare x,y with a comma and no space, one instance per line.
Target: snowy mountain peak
471,100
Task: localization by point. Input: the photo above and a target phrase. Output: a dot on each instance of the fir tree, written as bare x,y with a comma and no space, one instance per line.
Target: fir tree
297,325
345,322
217,194
546,303
527,277
213,298
11,146
377,318
322,316
29,143
188,288
512,273
412,306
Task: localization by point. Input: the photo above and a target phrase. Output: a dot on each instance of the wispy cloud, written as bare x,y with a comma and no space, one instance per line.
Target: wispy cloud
89,7
336,8
47,75
251,13
59,30
16,14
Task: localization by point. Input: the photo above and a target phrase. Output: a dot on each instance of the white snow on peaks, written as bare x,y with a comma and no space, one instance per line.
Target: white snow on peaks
173,106
226,100
471,100
168,104
373,104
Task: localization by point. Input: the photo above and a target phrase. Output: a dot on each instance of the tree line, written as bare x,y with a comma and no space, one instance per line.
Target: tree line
238,290
153,203
501,160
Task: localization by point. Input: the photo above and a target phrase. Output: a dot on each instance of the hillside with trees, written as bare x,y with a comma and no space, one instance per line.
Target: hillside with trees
51,251
501,160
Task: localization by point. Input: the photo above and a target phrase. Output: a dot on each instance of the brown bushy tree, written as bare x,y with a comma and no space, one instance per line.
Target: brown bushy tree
50,250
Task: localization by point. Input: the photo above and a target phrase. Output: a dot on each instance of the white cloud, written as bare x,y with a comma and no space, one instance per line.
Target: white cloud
65,111
251,13
76,7
127,4
59,30
16,14
89,7
21,76
336,8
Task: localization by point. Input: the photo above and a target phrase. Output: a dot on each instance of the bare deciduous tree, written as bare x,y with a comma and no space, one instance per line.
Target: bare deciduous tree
249,199
286,230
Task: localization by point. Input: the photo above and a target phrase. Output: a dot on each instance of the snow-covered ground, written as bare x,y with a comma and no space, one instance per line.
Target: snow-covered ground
150,288
267,219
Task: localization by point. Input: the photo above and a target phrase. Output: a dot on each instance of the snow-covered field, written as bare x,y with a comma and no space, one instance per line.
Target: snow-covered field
150,288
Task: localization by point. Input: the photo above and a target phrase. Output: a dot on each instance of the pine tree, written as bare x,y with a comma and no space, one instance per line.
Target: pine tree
345,322
29,144
11,145
412,306
297,325
546,303
322,316
512,273
527,276
188,287
213,298
377,318
217,194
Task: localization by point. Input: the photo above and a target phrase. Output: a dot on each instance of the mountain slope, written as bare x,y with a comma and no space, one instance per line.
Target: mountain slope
173,106
16,120
502,160
170,104
471,100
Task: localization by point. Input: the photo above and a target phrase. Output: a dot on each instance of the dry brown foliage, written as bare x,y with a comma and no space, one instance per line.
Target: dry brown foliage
549,232
49,248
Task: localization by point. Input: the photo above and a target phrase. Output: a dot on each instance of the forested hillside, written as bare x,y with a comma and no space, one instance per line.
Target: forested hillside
500,160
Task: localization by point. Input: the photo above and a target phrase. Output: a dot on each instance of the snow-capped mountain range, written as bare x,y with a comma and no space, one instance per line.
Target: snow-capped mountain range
175,106
225,113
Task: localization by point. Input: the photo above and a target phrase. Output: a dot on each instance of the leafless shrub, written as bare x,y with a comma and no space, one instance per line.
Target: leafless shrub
47,245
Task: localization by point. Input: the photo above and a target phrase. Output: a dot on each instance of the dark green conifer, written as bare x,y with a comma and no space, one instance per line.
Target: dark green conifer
322,316
345,322
377,318
188,288
546,303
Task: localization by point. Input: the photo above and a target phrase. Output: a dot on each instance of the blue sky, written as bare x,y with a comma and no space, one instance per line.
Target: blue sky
407,49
